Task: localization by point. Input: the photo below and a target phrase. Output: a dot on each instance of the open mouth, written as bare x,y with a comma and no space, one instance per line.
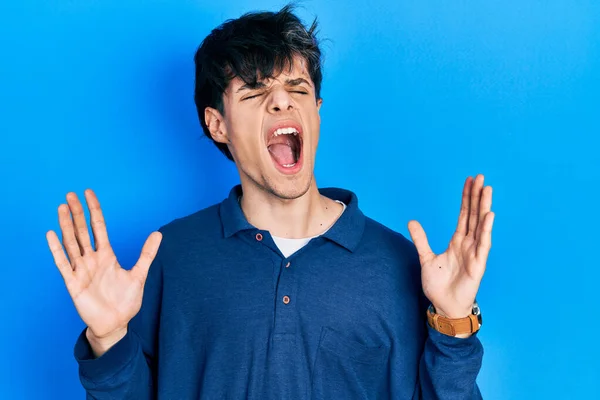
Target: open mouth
285,148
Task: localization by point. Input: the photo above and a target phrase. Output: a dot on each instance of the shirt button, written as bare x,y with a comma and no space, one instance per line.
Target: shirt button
287,265
259,237
286,299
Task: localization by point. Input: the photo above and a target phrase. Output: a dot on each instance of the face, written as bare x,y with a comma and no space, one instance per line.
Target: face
272,131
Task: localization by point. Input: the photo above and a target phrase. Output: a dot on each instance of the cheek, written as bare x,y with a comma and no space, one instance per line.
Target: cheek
245,141
315,127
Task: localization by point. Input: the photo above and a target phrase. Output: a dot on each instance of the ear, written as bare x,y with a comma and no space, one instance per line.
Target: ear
319,102
216,125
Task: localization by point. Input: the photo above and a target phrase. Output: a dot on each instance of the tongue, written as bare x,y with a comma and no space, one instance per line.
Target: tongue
282,153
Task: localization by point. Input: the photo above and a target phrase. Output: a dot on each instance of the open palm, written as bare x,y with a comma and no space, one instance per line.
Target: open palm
451,279
105,295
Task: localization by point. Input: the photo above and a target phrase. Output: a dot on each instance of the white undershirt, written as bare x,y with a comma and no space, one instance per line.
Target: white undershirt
290,246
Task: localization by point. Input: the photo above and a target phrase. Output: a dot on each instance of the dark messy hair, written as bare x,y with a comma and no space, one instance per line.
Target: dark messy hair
254,47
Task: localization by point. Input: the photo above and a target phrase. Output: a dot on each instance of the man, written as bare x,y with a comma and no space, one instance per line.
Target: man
282,291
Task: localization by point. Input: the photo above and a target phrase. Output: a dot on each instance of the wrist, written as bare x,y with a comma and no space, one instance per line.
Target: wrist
463,335
101,345
453,313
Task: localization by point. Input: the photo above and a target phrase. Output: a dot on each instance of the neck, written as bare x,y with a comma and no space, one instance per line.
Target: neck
306,216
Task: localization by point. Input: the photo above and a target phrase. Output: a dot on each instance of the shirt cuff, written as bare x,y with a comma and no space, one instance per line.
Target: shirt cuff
108,364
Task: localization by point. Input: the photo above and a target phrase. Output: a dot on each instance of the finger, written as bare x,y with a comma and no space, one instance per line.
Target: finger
485,206
81,230
485,241
60,258
68,234
97,220
463,217
420,240
474,206
149,250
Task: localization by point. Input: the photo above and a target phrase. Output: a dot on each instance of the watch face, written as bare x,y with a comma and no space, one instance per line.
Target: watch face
477,312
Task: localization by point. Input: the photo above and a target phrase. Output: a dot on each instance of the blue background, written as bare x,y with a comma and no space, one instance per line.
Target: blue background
417,96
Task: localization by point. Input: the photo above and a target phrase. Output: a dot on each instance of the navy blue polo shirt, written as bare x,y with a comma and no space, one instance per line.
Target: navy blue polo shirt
226,316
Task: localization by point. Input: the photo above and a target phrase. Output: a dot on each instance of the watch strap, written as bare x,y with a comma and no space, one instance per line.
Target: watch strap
453,327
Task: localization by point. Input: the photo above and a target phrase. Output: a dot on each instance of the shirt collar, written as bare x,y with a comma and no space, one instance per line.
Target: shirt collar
347,230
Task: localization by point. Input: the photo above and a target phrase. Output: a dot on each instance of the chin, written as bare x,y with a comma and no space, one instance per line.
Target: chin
289,189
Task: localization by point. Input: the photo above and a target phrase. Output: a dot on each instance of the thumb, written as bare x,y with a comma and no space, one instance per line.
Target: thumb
140,269
420,240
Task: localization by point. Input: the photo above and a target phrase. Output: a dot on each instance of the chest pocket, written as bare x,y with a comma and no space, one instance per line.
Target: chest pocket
346,369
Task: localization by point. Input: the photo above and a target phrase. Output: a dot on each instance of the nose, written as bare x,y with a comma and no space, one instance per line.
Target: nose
280,101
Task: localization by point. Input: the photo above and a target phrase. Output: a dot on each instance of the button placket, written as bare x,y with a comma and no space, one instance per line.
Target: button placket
285,308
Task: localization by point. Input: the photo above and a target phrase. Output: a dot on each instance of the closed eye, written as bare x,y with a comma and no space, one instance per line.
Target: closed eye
251,97
260,94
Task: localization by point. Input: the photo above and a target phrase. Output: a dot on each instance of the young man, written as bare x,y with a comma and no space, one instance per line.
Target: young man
282,291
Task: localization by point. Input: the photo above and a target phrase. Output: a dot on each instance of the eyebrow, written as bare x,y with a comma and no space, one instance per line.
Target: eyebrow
260,85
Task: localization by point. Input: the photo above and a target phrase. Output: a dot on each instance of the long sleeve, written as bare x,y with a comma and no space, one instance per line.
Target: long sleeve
449,367
128,369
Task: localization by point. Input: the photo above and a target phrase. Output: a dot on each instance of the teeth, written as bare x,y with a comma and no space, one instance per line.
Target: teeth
285,131
289,165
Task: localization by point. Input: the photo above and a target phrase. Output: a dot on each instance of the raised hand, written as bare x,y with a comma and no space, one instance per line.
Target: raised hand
105,295
451,279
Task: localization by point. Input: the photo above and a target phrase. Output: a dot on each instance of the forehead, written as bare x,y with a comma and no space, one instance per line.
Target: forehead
296,70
